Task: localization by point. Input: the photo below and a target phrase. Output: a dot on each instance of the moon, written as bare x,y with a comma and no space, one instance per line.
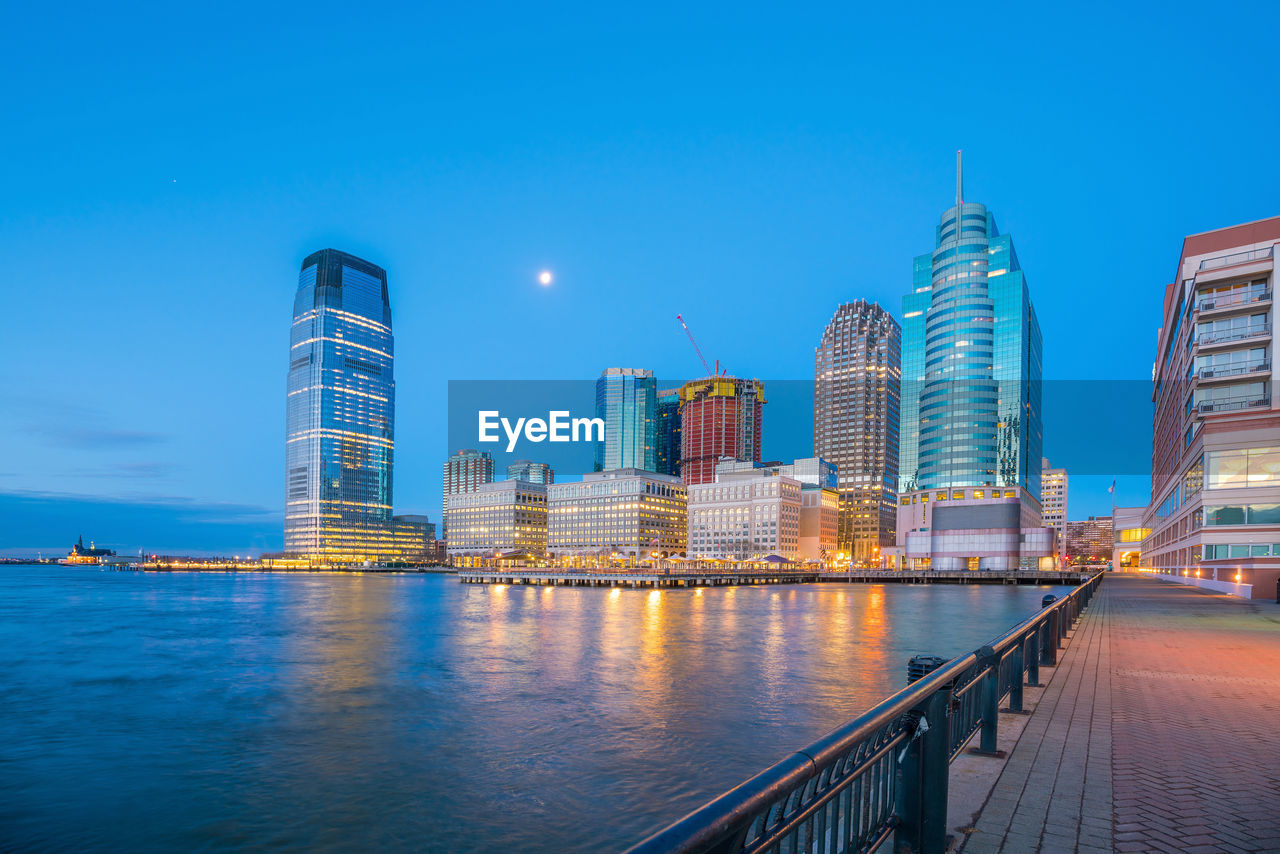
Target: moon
545,277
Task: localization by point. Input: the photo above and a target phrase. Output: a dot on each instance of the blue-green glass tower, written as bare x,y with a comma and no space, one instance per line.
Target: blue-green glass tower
971,361
627,400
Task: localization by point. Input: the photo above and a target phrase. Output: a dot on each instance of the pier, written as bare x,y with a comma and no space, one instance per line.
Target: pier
659,578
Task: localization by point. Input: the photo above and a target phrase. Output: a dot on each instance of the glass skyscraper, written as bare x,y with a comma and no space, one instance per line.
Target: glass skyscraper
627,401
668,444
340,414
971,362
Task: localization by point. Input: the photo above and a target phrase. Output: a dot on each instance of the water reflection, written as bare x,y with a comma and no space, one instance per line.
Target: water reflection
154,712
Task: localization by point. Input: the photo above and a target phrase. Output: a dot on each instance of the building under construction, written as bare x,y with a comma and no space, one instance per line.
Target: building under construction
719,417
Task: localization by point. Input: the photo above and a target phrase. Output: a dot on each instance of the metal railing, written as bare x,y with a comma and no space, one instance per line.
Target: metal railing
884,773
1236,258
1237,334
1231,370
1227,404
1232,300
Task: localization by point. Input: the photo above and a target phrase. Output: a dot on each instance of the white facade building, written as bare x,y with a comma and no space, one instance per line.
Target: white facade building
745,514
499,516
624,512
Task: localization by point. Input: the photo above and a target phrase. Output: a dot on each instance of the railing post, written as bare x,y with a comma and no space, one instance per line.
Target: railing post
1049,648
990,701
922,793
1033,658
1015,684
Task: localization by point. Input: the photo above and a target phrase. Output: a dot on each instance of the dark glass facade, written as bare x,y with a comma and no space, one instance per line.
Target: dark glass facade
340,412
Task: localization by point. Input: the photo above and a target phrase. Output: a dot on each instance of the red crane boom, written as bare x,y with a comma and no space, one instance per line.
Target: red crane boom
696,348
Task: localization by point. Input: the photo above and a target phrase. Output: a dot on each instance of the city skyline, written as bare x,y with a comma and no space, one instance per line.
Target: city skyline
769,198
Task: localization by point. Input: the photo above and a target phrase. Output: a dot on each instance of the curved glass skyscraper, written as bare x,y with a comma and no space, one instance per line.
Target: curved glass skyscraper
340,415
971,362
969,491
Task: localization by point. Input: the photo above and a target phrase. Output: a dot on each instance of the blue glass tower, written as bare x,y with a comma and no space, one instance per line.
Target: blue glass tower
340,415
971,362
668,432
627,400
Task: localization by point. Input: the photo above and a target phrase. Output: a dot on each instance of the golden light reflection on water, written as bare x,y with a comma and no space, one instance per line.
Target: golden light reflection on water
341,641
641,657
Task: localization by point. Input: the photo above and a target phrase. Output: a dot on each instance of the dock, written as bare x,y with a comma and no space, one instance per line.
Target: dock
660,579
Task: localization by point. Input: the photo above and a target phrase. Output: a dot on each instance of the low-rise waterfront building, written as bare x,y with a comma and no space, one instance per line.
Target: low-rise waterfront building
987,528
819,523
626,513
415,538
506,516
744,514
819,500
1215,478
81,555
1128,534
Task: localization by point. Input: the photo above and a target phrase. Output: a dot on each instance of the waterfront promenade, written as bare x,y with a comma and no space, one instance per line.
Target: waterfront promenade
1159,731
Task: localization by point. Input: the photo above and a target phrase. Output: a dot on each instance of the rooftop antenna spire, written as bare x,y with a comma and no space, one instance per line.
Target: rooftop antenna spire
959,178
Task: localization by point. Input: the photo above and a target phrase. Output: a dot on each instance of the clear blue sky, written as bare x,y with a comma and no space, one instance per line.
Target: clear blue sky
165,169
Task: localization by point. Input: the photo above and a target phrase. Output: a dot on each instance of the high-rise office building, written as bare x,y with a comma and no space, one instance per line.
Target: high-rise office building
1214,517
627,401
969,470
528,470
1053,498
340,412
465,471
668,439
719,417
857,371
971,362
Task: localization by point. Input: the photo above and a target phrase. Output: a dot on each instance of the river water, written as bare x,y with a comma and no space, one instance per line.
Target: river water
300,712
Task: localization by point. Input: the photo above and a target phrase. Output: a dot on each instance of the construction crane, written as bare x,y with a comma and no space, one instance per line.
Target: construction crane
697,349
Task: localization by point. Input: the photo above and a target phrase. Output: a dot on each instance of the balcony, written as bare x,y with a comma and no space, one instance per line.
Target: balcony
1231,404
1214,305
1230,336
1235,259
1216,373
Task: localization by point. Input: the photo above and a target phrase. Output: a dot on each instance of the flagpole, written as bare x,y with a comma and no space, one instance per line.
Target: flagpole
1114,568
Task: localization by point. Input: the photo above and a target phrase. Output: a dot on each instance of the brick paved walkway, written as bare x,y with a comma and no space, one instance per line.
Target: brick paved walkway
1160,731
